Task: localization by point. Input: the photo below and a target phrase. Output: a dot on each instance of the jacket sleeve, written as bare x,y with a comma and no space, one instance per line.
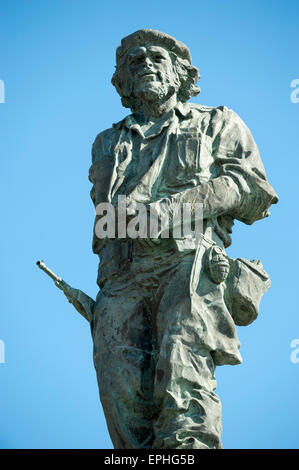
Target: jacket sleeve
241,188
100,176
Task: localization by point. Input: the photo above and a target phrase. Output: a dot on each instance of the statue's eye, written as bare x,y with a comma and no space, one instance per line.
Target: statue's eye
159,58
135,60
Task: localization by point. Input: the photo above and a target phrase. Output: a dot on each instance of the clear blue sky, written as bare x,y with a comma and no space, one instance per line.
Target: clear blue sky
57,58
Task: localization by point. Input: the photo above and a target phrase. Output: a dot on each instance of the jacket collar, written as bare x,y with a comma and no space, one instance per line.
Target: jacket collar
181,110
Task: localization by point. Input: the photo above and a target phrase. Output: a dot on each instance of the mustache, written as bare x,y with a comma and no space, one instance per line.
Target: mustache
148,71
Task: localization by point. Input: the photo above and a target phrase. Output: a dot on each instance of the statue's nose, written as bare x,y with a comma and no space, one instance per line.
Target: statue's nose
148,62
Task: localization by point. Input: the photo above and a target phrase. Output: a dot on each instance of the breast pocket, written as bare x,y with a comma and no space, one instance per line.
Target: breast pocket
194,151
188,150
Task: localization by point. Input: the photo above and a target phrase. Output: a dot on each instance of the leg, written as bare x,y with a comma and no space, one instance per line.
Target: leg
189,410
125,367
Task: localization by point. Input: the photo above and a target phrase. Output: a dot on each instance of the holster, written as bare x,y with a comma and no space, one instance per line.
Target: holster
247,282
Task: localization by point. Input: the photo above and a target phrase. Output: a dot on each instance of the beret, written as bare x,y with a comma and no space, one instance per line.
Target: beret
152,36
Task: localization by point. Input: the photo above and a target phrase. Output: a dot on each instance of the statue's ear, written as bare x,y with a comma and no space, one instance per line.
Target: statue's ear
122,81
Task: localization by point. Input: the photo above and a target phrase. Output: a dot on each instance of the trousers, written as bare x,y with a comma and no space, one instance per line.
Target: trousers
156,382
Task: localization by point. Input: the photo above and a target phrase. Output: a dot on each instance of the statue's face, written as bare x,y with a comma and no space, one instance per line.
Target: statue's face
151,72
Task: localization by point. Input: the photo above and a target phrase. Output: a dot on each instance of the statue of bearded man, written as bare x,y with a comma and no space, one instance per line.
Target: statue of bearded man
167,308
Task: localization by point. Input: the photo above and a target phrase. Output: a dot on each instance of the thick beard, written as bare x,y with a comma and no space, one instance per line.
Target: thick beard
151,100
152,93
151,96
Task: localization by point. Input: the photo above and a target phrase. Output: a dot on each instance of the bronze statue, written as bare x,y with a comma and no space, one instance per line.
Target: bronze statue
167,307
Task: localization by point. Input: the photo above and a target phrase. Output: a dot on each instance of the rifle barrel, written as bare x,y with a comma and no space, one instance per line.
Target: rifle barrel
43,267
